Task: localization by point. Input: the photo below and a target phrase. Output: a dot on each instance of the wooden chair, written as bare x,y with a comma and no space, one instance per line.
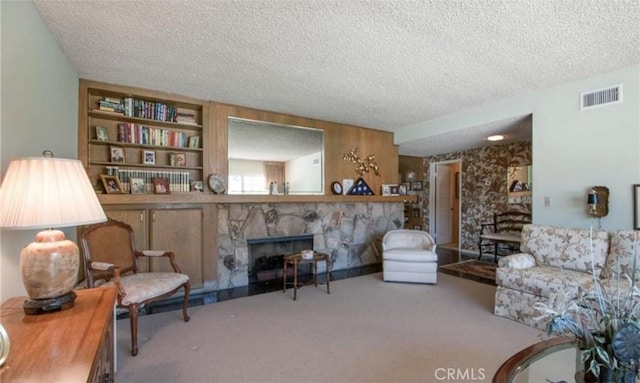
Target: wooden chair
110,257
502,236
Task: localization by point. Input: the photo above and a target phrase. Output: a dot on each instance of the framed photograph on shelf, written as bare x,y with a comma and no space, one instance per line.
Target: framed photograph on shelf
102,134
196,186
385,189
149,157
395,189
137,185
161,185
194,142
117,154
111,184
416,185
407,186
178,159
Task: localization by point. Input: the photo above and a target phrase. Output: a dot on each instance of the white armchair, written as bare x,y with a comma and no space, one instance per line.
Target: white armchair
409,256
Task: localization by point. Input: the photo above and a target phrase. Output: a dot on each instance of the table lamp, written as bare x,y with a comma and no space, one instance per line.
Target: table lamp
43,193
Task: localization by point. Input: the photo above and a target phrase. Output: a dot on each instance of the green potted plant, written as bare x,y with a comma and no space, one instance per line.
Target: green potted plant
604,321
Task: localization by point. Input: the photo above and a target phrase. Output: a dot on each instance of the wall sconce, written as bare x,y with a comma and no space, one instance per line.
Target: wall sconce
598,202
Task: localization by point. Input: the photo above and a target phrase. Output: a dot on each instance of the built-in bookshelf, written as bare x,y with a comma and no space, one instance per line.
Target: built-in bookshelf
135,133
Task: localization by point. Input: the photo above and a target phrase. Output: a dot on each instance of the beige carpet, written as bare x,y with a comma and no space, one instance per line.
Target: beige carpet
366,330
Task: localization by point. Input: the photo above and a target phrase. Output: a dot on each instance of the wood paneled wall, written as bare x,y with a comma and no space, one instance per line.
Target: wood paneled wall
338,140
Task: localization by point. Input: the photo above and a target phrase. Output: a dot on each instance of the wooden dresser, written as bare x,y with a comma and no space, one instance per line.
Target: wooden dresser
74,345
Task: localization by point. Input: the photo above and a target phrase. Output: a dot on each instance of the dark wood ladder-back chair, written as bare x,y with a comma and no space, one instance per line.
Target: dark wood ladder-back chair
110,257
502,236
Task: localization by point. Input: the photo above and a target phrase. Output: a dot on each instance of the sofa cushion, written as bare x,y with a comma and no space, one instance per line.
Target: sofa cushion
410,255
568,248
518,261
620,260
543,280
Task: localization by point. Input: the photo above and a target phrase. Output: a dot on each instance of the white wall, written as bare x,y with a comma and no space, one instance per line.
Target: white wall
39,104
572,150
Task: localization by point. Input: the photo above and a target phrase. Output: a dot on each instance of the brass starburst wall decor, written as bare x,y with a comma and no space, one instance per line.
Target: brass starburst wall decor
362,166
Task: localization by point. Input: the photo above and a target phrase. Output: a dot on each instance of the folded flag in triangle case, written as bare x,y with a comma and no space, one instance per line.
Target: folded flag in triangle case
360,187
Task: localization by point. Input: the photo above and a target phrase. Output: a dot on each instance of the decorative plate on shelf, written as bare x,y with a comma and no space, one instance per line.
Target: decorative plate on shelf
216,183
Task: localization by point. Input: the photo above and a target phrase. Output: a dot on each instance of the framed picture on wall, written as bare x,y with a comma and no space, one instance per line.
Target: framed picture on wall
416,185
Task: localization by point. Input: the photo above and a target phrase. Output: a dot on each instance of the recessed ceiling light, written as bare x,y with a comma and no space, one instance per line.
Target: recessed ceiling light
497,137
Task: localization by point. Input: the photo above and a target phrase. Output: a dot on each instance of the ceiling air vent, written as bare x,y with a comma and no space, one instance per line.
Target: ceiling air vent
600,97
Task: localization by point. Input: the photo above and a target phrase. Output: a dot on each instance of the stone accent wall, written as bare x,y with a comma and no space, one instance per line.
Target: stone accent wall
345,231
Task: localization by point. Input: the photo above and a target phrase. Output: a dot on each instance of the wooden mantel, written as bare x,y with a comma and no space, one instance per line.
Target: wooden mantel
203,198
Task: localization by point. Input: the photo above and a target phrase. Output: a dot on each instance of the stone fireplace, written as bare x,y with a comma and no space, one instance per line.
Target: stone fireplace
266,255
346,231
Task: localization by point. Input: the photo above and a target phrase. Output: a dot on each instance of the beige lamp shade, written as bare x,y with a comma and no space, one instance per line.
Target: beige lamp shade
46,192
43,193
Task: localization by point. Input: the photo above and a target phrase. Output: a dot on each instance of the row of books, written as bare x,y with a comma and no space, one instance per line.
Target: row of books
109,104
144,135
178,181
134,107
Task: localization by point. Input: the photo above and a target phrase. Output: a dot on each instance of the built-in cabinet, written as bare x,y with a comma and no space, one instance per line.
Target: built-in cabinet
177,229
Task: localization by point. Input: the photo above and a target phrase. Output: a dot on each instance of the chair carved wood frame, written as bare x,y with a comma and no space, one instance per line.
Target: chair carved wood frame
110,258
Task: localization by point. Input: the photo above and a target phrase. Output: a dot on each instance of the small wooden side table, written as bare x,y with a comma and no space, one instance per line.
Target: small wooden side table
295,260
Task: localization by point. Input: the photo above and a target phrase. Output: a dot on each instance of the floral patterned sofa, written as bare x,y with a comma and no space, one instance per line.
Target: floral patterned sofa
558,259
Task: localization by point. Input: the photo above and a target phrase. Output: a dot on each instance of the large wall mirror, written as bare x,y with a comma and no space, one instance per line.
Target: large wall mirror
261,153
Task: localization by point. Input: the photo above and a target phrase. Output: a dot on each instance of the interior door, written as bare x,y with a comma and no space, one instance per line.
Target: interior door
443,204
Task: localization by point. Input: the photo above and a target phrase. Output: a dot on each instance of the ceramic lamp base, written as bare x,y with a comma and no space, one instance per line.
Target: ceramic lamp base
49,268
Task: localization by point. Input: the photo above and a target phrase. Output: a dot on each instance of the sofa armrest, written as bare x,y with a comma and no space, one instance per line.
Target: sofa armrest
517,261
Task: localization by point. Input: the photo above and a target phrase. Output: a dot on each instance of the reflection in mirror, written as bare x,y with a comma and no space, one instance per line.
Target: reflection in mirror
519,179
262,153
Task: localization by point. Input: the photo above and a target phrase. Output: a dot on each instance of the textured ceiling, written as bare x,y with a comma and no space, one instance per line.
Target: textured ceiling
380,64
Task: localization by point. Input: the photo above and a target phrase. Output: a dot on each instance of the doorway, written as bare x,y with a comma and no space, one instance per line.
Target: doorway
445,199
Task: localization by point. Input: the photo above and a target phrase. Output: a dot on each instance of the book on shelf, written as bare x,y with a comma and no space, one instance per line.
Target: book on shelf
144,135
111,105
179,181
186,118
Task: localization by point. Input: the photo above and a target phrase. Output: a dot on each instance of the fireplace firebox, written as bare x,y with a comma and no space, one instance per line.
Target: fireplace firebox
266,255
